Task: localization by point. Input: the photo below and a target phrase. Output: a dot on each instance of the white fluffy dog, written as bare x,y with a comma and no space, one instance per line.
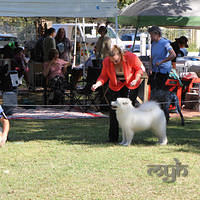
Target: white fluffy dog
146,116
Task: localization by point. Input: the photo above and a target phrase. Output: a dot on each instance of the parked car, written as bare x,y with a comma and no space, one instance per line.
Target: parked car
91,33
6,38
128,40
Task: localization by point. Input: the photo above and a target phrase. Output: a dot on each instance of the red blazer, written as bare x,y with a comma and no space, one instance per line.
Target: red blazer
131,67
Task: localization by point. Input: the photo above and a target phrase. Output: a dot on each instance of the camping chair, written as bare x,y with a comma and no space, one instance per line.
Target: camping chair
59,89
95,100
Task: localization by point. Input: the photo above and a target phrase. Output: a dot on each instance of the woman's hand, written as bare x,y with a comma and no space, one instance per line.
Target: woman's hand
68,64
137,78
133,83
96,85
158,63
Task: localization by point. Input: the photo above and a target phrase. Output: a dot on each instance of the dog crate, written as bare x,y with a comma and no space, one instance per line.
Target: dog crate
191,83
9,101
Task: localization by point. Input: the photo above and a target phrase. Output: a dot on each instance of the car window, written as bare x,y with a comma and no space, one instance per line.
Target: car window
130,38
8,39
88,30
126,38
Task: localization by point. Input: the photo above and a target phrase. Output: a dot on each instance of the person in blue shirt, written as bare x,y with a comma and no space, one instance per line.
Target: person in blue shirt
5,127
161,55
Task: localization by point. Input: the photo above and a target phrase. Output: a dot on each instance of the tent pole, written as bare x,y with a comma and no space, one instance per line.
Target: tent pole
74,60
84,48
134,39
116,29
116,25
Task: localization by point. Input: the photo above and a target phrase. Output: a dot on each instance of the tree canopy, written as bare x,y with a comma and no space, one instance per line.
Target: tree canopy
123,3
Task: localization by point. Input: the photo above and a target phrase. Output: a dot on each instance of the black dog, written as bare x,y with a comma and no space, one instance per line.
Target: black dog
166,98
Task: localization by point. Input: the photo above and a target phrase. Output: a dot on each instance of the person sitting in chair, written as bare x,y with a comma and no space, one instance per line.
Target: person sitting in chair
5,129
54,72
20,63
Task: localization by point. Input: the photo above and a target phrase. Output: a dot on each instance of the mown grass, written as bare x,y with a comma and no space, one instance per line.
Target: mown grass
70,159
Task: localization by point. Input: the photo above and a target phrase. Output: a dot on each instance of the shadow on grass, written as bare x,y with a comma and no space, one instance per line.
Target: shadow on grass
95,131
71,131
187,136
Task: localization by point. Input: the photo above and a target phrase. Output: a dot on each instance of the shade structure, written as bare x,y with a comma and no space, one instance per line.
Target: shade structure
171,13
58,8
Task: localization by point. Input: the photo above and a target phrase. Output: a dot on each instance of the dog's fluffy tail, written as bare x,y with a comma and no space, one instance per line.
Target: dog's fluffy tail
149,106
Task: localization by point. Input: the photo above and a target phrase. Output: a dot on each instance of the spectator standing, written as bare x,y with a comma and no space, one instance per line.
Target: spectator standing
63,45
102,50
49,43
181,42
103,45
161,55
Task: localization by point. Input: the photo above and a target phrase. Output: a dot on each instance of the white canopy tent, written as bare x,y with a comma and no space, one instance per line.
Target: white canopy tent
58,8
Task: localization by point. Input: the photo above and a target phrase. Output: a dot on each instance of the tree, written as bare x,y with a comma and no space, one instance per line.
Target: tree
123,3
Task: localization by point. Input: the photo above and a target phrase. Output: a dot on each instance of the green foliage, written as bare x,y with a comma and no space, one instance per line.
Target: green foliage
123,3
193,48
23,28
172,33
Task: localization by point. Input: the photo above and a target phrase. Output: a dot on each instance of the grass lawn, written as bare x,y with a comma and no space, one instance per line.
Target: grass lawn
70,159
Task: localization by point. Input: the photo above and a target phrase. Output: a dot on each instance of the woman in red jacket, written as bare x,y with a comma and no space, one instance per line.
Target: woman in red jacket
123,72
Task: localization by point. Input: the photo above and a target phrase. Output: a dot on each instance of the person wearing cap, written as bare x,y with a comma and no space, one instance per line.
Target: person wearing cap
181,42
5,127
103,45
162,54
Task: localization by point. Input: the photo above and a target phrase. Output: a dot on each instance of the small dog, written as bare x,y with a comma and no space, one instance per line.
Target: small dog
166,98
146,116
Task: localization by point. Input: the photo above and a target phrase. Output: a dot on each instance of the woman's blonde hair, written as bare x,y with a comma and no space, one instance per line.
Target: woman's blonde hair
116,50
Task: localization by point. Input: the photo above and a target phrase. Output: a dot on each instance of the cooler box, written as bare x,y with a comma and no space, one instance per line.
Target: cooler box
9,102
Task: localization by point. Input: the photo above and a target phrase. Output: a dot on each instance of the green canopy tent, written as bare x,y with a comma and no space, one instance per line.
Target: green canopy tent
166,13
171,13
